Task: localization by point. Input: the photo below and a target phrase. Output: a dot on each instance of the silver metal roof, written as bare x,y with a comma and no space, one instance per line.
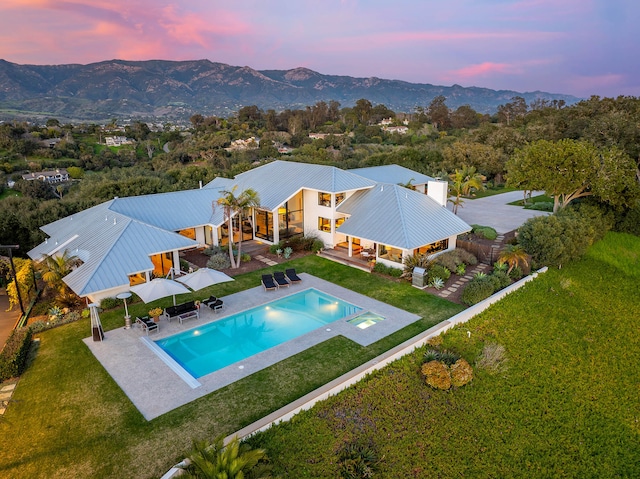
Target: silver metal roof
173,211
111,245
278,181
396,216
392,174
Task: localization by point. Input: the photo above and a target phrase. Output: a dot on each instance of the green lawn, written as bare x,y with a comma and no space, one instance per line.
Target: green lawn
9,192
495,190
68,418
566,403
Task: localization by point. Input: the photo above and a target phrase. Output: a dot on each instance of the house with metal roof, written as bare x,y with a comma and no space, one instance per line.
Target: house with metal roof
126,241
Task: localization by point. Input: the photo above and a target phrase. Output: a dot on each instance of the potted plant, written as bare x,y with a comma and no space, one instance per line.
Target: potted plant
155,313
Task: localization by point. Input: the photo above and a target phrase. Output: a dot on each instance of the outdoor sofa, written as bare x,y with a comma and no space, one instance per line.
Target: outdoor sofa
182,311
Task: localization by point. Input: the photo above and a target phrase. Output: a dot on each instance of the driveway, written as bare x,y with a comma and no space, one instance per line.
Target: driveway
495,211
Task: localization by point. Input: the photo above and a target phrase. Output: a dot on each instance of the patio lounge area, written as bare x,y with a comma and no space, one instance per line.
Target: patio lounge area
155,386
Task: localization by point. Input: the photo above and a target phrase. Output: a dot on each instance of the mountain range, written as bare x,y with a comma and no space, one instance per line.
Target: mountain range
175,90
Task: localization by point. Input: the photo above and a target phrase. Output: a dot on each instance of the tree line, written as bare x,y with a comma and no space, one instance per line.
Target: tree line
597,136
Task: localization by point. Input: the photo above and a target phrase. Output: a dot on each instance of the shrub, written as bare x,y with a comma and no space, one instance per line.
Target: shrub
563,237
388,270
476,290
439,271
184,265
219,261
486,232
13,357
317,245
501,279
447,357
466,257
461,269
540,206
416,260
492,358
287,252
437,375
516,273
110,303
437,283
212,250
461,373
245,257
273,249
449,260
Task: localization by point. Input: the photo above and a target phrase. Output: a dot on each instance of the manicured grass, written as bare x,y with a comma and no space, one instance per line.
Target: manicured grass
495,190
533,200
69,418
565,404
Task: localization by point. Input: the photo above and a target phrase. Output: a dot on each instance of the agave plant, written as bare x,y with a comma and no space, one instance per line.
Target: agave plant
437,282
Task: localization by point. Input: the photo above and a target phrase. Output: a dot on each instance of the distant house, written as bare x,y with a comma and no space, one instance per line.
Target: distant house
52,176
50,142
126,241
401,130
117,140
243,144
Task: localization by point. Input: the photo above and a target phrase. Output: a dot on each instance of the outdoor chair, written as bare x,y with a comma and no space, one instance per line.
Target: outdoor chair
281,279
213,302
146,324
292,276
268,283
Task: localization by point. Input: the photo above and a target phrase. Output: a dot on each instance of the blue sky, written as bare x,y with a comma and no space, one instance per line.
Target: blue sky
578,47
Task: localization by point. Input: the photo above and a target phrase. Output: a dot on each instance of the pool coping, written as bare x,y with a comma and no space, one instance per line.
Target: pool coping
155,388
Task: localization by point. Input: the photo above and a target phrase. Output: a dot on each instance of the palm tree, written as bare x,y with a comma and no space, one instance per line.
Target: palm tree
54,268
233,461
513,255
237,205
463,182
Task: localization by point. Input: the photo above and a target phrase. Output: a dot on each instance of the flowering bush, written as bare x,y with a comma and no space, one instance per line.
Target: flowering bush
155,312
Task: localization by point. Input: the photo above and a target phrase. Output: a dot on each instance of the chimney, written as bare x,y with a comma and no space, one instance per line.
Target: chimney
439,191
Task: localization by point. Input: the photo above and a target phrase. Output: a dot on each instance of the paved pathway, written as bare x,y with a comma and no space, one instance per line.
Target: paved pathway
495,211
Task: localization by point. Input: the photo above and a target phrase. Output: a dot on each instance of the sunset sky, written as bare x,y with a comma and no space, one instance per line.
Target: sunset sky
578,47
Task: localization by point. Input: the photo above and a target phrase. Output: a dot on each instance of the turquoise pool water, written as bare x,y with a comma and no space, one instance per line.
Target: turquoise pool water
364,320
203,350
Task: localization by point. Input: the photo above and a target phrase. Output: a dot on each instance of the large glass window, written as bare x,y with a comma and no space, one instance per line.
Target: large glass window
324,199
389,253
434,247
339,221
340,198
324,224
291,218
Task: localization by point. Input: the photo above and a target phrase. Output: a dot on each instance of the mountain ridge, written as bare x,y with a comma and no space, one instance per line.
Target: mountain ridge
154,89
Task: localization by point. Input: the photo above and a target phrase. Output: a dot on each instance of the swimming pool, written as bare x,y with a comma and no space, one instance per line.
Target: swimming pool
206,349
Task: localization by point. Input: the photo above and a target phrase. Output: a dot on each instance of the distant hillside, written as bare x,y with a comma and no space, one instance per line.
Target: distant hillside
177,90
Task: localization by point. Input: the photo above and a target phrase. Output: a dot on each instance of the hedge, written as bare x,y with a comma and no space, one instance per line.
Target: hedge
13,357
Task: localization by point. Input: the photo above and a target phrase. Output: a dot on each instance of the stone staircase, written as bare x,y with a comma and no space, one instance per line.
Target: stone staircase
497,245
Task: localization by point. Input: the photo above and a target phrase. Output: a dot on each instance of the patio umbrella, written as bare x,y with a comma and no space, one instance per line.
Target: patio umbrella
159,288
203,277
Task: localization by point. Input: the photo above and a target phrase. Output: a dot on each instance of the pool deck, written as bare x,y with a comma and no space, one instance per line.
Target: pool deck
155,388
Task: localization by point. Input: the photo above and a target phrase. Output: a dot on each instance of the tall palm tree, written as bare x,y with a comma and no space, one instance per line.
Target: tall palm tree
54,268
233,461
237,205
513,255
463,182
